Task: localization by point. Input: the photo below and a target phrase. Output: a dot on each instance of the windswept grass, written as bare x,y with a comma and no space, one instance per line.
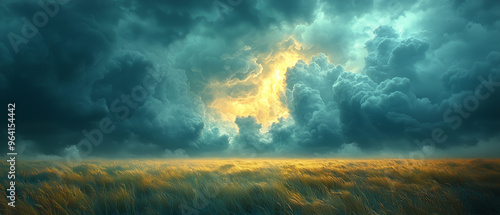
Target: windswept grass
256,186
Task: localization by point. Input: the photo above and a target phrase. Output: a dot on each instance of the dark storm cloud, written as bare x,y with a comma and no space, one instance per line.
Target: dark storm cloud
294,11
379,109
390,57
419,63
73,74
213,59
82,63
331,107
478,93
162,112
50,76
249,136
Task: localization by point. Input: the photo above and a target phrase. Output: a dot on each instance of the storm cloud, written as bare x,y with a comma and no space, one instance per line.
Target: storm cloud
128,78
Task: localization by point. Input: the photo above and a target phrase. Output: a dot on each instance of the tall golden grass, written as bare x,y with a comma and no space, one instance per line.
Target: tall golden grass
256,186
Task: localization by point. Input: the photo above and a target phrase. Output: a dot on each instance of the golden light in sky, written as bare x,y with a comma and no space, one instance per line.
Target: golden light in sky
264,101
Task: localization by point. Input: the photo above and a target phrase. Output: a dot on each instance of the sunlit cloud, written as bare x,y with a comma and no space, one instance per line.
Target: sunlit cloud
264,100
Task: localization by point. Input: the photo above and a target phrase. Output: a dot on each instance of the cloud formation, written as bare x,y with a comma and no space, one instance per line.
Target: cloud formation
280,78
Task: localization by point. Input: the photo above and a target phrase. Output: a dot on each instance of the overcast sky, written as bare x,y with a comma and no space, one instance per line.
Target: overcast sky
245,78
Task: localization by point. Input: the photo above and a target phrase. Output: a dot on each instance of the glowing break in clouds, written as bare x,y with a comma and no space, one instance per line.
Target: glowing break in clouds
264,100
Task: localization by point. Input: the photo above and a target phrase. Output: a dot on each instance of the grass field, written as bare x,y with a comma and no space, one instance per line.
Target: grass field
256,186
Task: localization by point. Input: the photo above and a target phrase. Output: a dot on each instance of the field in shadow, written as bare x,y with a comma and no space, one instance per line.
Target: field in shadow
256,186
